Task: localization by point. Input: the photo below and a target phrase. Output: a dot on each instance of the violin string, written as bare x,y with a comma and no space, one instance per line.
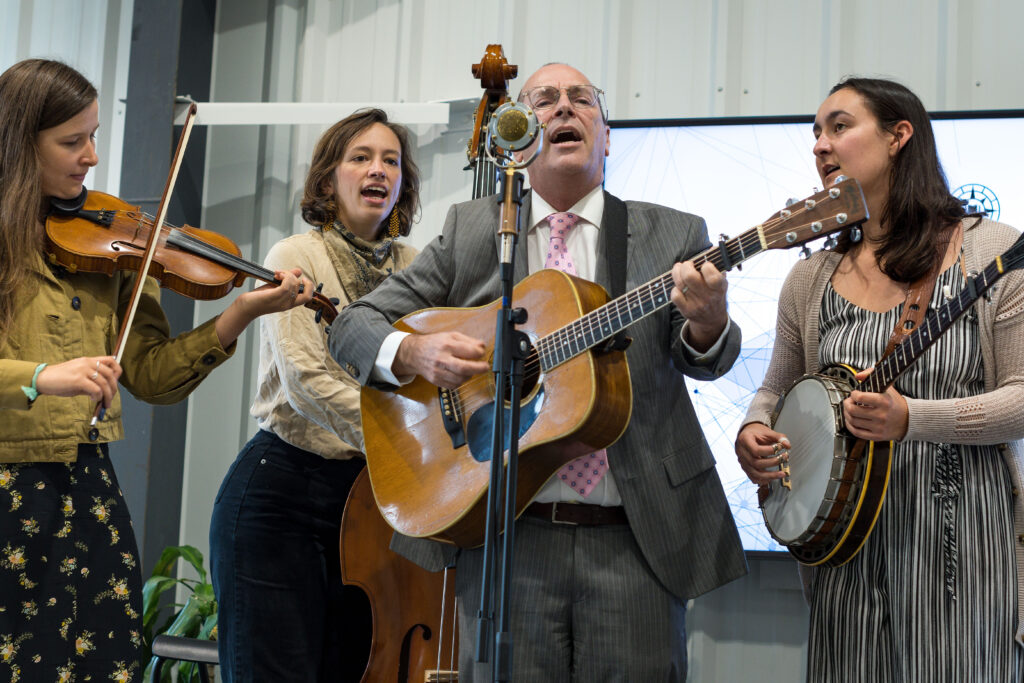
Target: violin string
180,238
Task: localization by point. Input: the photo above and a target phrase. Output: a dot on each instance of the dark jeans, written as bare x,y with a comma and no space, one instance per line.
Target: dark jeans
284,614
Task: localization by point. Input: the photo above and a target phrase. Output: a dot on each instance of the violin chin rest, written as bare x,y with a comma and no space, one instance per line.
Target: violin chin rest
69,207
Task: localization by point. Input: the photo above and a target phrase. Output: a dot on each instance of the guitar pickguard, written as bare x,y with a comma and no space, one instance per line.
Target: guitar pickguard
479,427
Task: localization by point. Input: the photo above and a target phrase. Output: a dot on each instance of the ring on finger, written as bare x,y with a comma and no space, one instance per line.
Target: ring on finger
94,375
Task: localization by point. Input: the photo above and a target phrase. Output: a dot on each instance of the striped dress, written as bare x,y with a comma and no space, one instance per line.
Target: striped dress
932,595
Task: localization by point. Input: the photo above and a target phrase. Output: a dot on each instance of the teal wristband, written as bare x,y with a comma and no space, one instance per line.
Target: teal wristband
31,392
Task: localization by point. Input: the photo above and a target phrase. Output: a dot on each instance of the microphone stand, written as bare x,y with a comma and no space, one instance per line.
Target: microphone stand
511,348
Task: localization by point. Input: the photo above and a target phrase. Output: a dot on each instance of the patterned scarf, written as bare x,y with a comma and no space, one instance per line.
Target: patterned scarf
361,264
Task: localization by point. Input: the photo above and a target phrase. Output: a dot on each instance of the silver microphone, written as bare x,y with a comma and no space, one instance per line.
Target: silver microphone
513,127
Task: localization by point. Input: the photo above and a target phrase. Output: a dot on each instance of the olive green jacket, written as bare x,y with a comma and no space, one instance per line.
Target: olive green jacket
69,315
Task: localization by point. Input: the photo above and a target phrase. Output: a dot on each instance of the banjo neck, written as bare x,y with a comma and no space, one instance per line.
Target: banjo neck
935,324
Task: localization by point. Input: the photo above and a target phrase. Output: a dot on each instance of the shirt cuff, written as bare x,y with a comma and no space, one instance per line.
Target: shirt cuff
711,355
386,358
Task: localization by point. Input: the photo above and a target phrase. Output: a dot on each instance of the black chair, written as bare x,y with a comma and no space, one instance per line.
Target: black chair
186,650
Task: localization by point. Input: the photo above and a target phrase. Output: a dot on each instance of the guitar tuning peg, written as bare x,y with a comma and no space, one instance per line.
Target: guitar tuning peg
839,178
856,234
830,243
805,253
791,201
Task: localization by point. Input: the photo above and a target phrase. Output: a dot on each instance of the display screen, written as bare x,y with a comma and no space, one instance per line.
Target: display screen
738,172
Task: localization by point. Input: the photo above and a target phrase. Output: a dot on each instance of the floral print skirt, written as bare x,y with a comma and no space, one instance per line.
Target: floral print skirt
70,584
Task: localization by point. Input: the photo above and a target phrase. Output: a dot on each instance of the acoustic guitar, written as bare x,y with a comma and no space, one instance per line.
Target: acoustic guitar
428,449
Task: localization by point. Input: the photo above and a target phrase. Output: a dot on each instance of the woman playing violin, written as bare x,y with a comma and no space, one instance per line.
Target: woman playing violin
283,614
933,593
70,582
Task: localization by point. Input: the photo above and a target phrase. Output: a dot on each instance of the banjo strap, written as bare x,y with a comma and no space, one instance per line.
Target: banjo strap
919,294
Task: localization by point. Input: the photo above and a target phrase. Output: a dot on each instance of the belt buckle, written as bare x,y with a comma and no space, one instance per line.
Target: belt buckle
554,511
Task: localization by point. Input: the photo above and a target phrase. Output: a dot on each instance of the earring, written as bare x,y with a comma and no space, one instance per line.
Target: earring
394,224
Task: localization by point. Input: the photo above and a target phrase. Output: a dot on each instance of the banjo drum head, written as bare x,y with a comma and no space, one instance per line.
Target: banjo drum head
808,419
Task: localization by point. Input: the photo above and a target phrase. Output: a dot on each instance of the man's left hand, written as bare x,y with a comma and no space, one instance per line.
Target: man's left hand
700,297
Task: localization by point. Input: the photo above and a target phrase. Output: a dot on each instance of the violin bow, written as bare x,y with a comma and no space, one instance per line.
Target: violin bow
151,245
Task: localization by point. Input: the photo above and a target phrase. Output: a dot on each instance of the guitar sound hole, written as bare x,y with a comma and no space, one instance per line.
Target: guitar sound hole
531,378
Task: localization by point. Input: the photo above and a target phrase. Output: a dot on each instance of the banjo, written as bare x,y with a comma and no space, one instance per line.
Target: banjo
827,504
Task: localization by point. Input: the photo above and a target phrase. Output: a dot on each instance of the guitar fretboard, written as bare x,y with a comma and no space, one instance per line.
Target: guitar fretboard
605,322
934,325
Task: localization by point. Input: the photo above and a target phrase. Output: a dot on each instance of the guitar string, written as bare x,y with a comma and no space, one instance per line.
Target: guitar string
643,295
558,338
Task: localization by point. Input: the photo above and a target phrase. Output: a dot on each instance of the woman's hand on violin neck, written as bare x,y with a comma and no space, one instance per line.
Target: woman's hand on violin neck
290,291
92,376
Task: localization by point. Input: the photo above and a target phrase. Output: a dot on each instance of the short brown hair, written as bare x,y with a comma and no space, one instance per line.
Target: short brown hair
318,204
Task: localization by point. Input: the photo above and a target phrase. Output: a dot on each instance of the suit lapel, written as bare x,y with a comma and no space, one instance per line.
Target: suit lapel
612,243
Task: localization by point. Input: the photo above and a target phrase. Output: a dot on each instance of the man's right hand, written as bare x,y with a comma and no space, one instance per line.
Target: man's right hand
445,359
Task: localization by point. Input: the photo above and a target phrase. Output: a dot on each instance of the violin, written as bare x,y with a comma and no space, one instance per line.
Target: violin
99,233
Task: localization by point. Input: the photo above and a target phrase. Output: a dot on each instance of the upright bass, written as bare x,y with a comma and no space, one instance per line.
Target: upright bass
415,636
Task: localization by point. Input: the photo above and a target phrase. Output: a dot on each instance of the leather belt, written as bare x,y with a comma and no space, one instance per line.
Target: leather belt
581,514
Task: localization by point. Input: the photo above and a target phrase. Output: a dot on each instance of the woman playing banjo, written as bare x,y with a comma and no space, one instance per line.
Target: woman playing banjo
934,593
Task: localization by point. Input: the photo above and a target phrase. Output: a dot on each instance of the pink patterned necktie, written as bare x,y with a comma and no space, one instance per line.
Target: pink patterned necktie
583,473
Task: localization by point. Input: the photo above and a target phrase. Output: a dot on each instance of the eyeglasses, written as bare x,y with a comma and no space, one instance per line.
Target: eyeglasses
545,97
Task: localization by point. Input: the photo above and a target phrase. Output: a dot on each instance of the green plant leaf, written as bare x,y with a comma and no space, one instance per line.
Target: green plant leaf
151,591
206,631
194,558
169,557
197,618
165,565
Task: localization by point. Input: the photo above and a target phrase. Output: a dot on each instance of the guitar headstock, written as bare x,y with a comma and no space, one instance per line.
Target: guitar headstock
839,207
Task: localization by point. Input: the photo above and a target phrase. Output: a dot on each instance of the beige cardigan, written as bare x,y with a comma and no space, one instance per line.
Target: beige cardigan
994,417
303,395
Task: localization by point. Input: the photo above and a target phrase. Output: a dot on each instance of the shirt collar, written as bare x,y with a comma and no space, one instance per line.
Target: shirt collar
590,208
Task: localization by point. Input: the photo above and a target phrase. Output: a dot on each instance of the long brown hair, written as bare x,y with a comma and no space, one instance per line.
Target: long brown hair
920,210
35,94
318,203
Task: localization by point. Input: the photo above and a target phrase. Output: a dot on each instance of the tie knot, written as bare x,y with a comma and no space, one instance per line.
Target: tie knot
561,223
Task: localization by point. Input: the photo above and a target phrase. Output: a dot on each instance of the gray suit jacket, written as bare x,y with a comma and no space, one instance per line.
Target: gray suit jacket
663,466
